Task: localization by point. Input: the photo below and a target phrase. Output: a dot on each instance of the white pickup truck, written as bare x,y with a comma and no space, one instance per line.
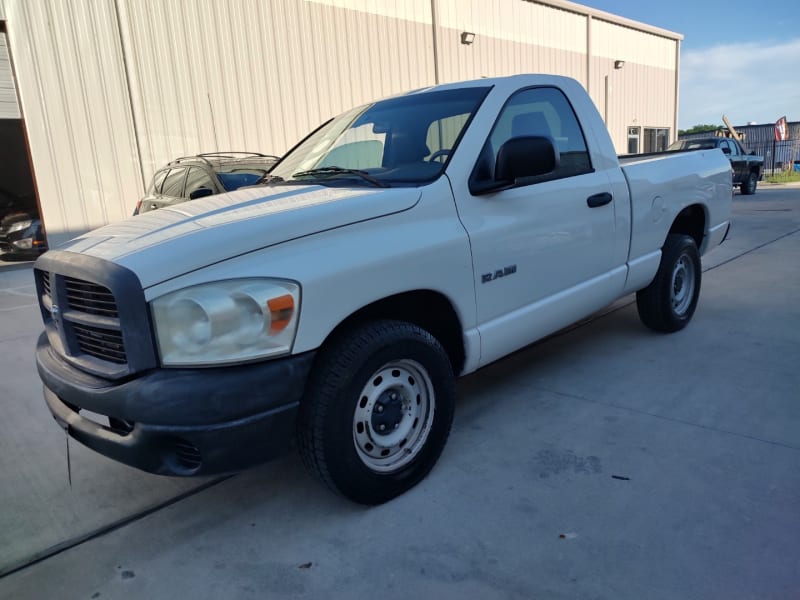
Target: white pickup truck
399,245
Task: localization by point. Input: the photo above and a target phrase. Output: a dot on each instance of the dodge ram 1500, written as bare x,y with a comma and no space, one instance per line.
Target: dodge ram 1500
398,246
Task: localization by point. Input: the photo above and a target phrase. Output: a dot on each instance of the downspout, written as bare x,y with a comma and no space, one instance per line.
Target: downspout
435,43
130,96
589,55
677,84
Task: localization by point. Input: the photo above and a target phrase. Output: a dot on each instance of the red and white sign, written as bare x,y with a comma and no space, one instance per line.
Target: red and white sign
781,130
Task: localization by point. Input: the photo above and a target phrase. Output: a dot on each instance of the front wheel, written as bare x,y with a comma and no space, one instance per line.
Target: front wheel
749,185
669,302
377,411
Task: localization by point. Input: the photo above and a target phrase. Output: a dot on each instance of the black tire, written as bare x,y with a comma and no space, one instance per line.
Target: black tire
388,375
669,302
748,186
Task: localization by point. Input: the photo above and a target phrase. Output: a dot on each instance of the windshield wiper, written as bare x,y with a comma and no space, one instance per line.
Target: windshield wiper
333,171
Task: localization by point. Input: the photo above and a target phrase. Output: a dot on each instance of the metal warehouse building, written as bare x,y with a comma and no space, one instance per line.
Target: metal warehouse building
95,95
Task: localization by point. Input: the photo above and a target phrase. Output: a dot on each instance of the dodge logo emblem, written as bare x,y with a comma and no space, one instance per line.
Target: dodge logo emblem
54,312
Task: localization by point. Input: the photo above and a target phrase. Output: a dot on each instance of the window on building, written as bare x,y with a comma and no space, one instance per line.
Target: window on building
656,139
633,140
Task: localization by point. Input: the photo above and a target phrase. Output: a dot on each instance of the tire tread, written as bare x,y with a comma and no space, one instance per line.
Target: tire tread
333,370
653,302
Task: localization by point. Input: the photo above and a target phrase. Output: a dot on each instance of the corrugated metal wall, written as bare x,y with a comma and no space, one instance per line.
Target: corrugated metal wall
77,112
643,92
113,89
510,37
254,75
9,108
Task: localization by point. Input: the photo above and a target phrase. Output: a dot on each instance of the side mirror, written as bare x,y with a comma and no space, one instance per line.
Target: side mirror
526,156
520,158
726,150
200,193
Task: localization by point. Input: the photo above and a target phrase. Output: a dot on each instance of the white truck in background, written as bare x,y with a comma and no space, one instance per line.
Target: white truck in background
398,246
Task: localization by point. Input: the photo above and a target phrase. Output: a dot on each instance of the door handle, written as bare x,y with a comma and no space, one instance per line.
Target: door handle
599,200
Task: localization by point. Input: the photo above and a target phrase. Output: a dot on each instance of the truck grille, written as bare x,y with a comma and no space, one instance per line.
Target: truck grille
92,319
46,283
90,298
95,314
104,344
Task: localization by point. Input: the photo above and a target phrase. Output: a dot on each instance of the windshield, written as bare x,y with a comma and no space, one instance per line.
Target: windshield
692,145
403,140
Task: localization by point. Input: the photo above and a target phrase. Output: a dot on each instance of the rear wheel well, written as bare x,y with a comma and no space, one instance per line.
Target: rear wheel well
429,310
691,221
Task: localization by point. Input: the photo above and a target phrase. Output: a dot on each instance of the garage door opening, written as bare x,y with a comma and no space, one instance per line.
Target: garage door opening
21,232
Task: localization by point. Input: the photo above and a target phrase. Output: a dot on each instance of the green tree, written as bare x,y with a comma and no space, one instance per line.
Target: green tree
699,129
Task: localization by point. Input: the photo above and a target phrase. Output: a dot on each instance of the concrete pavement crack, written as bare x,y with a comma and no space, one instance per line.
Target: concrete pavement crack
614,309
746,252
101,531
666,418
657,416
67,545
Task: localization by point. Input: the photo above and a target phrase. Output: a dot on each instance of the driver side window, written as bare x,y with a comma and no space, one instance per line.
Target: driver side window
544,112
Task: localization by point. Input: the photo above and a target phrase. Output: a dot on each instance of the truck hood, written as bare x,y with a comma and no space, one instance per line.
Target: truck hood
171,241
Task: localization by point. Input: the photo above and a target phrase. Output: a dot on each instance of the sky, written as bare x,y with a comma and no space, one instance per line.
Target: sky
740,58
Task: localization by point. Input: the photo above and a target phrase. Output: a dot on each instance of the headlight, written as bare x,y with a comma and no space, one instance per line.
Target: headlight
226,321
20,225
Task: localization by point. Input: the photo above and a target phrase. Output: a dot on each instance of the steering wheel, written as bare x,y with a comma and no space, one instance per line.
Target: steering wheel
438,153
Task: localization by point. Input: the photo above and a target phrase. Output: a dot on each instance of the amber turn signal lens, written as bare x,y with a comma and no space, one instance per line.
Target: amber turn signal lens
281,310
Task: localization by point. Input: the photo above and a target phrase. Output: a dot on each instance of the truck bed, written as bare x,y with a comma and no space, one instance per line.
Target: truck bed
675,179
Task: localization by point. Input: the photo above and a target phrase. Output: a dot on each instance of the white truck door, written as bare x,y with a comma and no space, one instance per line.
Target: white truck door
543,253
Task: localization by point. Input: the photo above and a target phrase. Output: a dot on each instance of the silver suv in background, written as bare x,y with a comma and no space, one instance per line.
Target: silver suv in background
192,177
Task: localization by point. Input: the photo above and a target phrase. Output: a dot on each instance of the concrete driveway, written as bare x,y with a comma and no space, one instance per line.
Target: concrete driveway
605,462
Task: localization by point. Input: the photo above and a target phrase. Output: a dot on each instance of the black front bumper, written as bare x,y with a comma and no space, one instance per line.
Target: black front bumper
180,421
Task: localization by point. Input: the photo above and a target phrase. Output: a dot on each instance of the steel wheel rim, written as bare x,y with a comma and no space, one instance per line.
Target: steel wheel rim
393,416
682,285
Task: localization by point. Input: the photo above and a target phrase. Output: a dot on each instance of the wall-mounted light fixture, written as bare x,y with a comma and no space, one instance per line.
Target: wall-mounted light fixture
618,64
467,37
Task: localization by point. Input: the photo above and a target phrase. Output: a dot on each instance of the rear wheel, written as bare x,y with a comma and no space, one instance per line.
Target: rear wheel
669,302
377,411
749,185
